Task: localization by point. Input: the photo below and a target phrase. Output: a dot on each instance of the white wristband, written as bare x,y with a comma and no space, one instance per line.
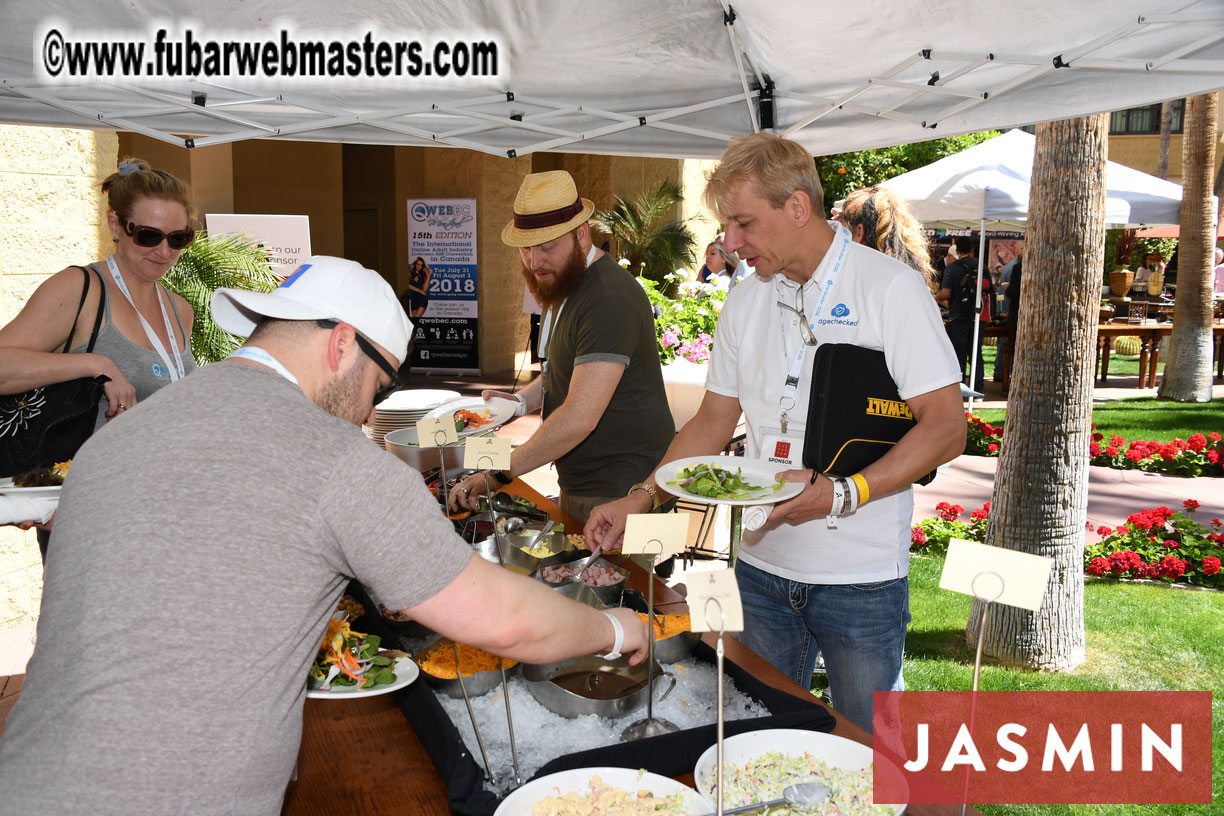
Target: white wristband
852,496
619,640
521,410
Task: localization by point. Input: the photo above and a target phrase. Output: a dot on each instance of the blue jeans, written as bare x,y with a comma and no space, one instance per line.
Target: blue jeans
859,628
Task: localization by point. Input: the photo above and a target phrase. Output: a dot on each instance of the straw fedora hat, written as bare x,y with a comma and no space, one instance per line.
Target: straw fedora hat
547,206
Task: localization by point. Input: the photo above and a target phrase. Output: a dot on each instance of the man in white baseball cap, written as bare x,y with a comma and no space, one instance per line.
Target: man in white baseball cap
226,515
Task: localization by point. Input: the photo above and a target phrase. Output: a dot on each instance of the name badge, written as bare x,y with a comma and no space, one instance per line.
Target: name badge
782,448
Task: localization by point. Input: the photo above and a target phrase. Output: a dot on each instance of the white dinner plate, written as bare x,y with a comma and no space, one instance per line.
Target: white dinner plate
8,489
417,399
521,801
754,471
500,411
405,672
838,752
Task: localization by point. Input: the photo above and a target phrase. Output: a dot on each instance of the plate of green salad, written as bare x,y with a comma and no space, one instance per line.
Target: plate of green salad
350,664
758,765
731,480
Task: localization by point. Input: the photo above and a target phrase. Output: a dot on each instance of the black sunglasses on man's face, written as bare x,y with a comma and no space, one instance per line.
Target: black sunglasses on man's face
368,348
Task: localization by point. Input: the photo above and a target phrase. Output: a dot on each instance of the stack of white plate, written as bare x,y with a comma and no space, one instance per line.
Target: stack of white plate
404,409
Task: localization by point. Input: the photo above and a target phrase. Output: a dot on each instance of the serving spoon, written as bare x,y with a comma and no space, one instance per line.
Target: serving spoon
806,796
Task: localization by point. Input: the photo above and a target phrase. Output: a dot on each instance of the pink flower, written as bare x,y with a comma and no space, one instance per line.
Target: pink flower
918,537
671,337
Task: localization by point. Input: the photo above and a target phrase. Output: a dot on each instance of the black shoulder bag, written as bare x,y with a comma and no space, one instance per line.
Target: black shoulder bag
49,424
855,414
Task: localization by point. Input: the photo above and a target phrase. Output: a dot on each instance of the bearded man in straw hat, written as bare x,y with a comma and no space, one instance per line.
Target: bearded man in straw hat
606,419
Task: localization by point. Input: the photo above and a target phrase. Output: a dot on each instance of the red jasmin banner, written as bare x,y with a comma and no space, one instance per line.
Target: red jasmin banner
1042,747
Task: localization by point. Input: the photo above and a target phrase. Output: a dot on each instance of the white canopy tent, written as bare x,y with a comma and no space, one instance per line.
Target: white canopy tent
989,183
635,77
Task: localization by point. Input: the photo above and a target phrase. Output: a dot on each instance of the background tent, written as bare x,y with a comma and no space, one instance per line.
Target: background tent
673,78
989,183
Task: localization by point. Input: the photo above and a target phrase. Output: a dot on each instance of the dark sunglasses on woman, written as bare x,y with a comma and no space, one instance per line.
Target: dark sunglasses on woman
150,237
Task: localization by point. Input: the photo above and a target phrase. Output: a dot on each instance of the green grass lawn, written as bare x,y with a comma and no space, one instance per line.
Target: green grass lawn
1139,638
1146,418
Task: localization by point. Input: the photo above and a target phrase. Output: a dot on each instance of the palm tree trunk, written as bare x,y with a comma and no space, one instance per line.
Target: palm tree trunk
1187,376
1041,488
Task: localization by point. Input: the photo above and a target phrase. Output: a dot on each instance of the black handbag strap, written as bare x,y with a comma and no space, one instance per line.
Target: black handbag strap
93,336
80,306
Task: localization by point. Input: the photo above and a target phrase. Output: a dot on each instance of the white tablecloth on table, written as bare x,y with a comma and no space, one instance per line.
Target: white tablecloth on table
684,383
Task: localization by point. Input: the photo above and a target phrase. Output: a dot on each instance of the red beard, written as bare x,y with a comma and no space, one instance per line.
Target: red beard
553,293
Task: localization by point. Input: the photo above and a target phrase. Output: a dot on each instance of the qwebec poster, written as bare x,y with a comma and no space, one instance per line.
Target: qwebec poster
442,234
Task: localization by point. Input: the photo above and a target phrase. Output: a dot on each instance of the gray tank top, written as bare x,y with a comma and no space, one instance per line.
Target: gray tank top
143,367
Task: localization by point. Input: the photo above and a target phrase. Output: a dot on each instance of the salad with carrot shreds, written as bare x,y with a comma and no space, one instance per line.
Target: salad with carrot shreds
348,658
716,483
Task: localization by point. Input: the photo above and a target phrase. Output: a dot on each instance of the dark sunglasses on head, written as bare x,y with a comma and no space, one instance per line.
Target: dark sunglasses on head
368,348
150,237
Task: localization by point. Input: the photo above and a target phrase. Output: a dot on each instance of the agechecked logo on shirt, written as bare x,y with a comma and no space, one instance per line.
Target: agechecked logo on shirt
160,371
839,316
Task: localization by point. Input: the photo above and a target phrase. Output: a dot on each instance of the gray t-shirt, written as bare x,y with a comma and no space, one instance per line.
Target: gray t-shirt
200,548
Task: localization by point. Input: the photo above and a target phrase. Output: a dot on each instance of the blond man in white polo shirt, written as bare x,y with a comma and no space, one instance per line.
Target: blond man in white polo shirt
810,586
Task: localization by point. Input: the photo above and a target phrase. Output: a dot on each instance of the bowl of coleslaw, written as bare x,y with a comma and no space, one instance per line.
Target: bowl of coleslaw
757,765
604,791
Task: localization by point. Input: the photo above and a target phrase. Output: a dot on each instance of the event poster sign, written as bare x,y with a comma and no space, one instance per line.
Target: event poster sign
285,237
442,232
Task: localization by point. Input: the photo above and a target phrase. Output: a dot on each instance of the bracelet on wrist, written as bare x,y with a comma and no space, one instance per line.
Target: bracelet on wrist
860,483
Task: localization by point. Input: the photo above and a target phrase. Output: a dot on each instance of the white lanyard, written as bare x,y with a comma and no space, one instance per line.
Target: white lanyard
176,369
553,315
841,243
258,355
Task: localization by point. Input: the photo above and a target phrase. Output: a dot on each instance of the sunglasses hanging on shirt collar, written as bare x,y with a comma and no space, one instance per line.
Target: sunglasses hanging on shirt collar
149,237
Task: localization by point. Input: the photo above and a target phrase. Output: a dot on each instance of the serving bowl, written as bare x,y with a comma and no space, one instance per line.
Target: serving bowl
512,558
837,752
524,800
610,595
477,684
552,548
602,684
403,443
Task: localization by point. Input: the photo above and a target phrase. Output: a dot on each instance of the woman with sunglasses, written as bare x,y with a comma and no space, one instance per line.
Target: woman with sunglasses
144,340
882,221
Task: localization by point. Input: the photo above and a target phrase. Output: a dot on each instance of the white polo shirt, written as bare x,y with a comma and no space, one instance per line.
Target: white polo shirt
876,302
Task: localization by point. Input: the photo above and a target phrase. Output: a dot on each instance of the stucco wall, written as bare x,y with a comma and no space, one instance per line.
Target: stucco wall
1142,152
51,216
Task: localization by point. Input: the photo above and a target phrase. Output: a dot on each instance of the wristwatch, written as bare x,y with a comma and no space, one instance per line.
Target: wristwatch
649,490
501,476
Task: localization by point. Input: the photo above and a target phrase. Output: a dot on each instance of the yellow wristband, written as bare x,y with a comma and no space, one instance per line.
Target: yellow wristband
861,484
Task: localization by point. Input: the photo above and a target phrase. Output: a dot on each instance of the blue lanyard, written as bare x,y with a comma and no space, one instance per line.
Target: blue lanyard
258,355
841,243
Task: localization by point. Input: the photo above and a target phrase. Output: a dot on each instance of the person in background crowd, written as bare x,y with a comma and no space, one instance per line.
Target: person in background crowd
958,292
180,615
144,342
827,572
719,266
418,287
882,221
1015,280
1152,263
606,418
1219,272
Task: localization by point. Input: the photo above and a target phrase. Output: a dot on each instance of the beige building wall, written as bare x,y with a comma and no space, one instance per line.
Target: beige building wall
1142,152
52,215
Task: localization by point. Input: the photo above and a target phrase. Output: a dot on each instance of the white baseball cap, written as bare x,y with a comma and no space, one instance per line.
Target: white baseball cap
322,288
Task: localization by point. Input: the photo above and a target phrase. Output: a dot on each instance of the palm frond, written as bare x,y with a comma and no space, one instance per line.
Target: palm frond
207,265
653,244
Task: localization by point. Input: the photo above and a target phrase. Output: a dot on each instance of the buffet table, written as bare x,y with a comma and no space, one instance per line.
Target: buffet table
362,757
